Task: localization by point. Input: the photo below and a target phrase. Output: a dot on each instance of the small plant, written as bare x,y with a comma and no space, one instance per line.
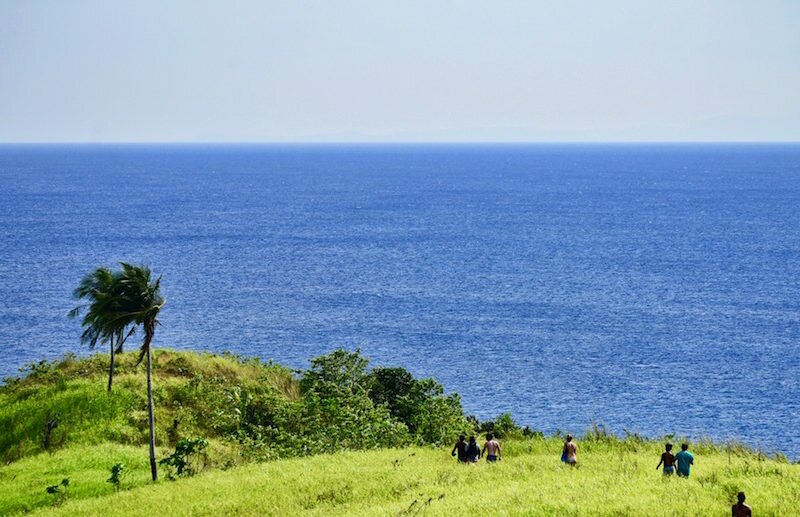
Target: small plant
180,460
117,471
59,491
48,431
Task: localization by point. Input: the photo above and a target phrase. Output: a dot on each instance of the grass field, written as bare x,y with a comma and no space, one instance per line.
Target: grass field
615,477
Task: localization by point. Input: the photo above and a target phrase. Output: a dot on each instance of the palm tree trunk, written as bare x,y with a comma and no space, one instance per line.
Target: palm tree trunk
150,414
111,368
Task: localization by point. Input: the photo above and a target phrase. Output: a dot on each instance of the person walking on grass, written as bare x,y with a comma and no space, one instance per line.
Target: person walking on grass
569,454
684,461
668,459
492,449
460,449
740,509
473,451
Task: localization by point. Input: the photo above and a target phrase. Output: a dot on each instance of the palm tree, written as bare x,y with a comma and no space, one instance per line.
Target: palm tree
140,303
100,288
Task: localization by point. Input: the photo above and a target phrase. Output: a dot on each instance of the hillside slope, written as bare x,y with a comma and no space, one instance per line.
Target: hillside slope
614,478
321,442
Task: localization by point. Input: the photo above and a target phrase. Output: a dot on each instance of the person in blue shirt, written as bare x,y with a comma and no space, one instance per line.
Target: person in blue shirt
685,460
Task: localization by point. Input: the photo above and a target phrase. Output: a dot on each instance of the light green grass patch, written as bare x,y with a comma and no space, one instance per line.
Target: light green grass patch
611,479
23,483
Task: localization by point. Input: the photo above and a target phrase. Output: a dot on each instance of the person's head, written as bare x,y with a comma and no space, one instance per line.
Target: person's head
669,447
569,437
684,446
740,497
489,437
461,438
471,439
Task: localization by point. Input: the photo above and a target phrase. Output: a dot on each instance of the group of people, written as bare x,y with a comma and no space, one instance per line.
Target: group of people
680,463
471,452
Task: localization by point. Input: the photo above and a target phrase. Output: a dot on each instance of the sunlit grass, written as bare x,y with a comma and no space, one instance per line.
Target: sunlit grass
614,478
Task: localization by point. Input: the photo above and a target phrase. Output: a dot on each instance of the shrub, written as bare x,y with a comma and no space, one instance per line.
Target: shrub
431,416
502,426
117,471
181,459
59,491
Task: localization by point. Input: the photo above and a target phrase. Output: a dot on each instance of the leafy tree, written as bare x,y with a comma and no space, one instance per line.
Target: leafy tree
118,301
336,410
336,373
100,289
389,385
420,404
180,460
502,426
140,303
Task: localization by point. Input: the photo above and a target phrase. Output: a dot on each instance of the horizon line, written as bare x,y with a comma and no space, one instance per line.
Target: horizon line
392,142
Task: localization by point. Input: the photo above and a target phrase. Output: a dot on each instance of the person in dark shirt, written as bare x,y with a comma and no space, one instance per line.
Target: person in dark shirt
668,459
460,449
473,451
740,509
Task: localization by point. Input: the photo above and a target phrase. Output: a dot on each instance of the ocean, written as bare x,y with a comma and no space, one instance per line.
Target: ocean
651,288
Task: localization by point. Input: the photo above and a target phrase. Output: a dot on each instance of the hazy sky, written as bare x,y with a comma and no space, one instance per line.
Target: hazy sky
399,71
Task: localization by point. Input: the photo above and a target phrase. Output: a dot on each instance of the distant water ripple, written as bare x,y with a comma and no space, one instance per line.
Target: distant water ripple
655,288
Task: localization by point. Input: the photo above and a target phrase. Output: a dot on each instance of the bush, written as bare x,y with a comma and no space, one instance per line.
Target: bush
337,411
117,471
431,416
184,459
502,426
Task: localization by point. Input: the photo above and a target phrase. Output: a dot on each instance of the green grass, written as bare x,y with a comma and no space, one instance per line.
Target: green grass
23,483
74,392
205,394
615,477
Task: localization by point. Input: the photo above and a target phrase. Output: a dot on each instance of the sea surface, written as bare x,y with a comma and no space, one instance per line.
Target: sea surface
651,288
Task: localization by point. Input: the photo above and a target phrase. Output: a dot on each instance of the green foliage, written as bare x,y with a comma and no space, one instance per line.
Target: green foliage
85,413
101,289
194,389
338,373
336,411
531,480
59,491
117,472
502,426
185,460
248,410
431,416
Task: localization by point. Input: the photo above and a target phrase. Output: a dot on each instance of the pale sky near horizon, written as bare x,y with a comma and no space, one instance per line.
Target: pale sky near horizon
103,71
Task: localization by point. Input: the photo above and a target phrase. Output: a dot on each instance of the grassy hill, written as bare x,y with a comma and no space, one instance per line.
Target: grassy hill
193,392
245,408
614,478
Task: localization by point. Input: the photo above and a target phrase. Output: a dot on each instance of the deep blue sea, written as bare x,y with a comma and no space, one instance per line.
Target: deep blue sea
653,288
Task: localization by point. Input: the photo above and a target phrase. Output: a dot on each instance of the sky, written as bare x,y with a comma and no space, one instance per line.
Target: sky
405,71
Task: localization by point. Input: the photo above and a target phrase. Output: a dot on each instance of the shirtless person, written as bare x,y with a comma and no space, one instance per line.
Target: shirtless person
491,448
740,509
668,459
570,452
